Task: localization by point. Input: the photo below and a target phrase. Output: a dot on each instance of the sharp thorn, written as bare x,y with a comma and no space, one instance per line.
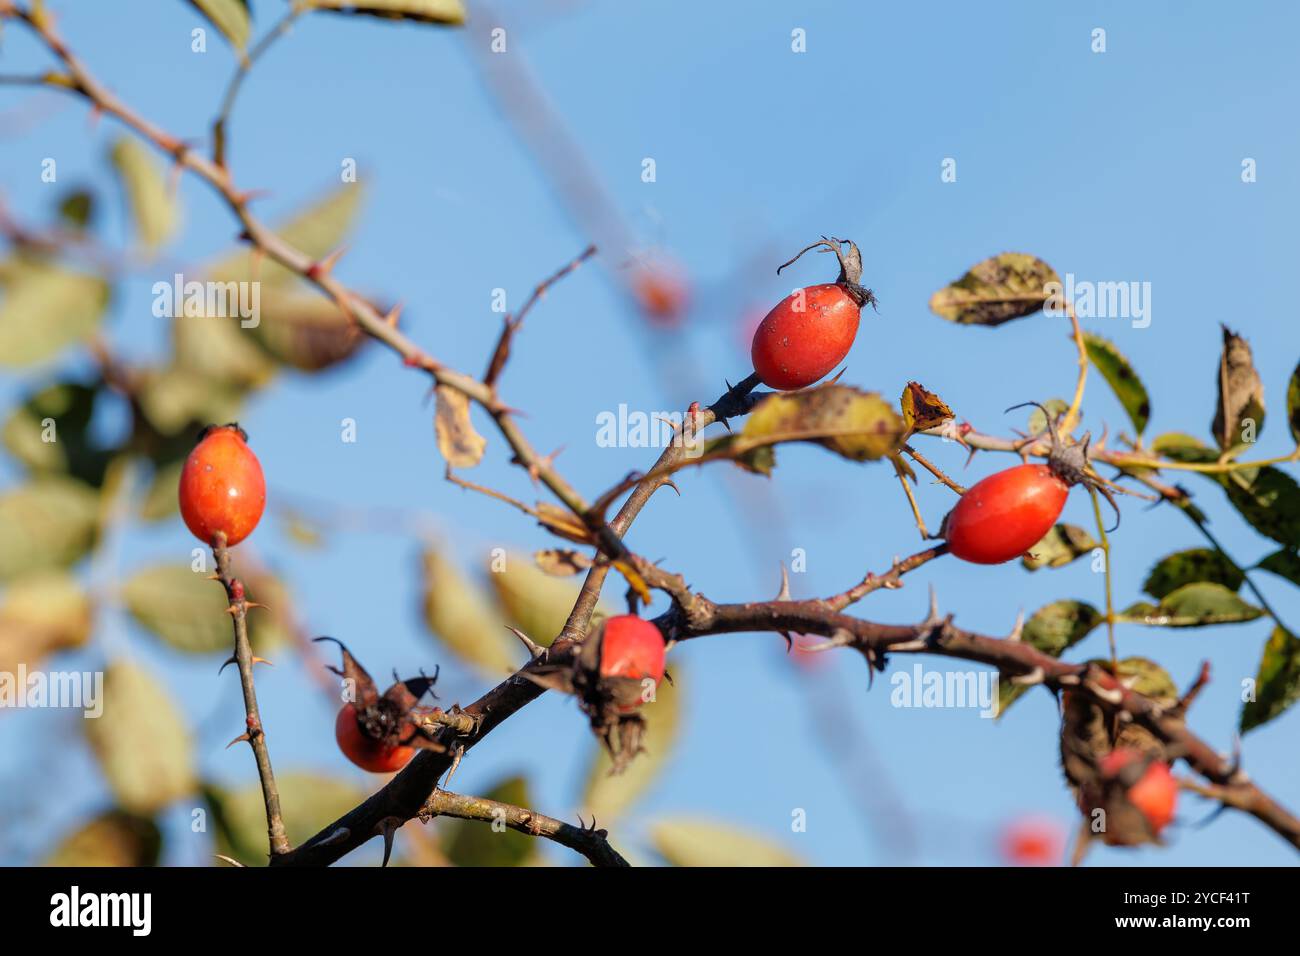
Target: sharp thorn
784,593
243,736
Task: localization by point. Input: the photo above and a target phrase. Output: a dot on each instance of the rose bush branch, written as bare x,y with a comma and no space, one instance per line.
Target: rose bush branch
255,734
590,842
80,81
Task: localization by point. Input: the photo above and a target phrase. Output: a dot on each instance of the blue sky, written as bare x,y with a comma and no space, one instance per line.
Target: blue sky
1117,166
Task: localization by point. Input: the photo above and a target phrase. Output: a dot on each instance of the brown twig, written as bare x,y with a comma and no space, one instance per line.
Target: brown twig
254,734
511,324
590,842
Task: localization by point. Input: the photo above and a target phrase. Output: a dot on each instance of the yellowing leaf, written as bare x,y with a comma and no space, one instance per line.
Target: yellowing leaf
854,424
308,802
690,841
449,12
228,16
45,308
460,617
49,522
922,408
533,601
41,613
1008,286
459,443
188,611
113,838
317,231
609,796
1239,414
141,741
152,205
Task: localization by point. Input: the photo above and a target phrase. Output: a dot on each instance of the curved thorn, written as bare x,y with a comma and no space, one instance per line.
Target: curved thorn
243,736
230,660
228,859
784,593
1018,630
535,650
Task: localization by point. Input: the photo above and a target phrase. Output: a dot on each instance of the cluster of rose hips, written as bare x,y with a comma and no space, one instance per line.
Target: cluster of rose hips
800,341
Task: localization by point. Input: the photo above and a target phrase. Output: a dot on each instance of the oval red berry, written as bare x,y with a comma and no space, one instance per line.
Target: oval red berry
222,488
1006,514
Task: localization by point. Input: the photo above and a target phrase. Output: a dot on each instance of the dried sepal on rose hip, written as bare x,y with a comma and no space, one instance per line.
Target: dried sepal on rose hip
382,732
1002,516
811,330
221,489
615,672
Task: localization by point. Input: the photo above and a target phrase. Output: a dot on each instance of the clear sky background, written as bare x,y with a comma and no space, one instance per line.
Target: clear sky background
1117,166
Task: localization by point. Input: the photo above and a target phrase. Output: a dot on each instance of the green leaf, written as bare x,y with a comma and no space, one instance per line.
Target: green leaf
42,612
1178,446
451,12
231,17
758,461
1147,678
175,399
1239,414
49,433
152,205
1063,544
307,332
160,500
77,209
1198,604
608,796
1053,629
1269,500
532,600
113,838
1005,287
44,309
187,611
459,615
317,231
308,803
141,741
1284,564
50,522
476,843
857,425
688,841
1186,567
1056,407
1123,381
1058,626
1293,405
1277,684
217,354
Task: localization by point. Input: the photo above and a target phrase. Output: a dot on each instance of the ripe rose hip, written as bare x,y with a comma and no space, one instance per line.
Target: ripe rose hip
810,331
1155,793
221,486
632,648
1033,842
364,751
1004,515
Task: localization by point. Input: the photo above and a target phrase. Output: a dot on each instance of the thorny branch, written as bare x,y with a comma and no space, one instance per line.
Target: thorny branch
590,842
243,658
692,615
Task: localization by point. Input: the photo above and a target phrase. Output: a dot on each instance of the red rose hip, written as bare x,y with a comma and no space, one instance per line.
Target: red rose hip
221,486
811,330
1006,514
